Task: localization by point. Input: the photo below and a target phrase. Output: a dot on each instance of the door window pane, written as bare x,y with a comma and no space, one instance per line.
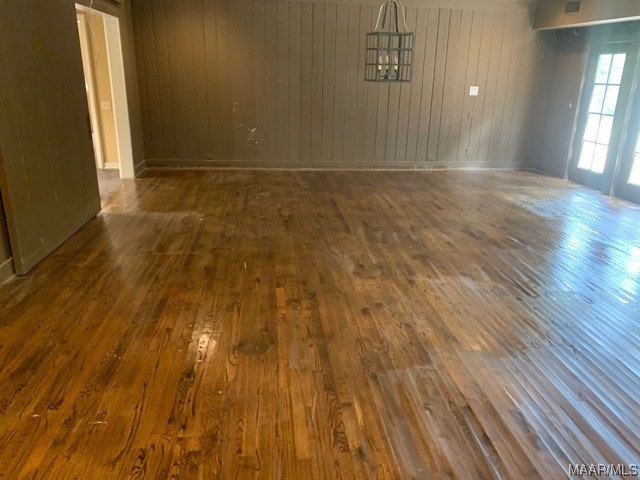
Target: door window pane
599,159
617,68
591,130
604,66
604,133
586,156
611,100
634,178
597,98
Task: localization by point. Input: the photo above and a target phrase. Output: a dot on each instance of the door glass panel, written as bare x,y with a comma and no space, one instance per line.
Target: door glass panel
634,178
597,98
617,69
586,157
599,158
591,130
604,132
602,108
611,100
604,68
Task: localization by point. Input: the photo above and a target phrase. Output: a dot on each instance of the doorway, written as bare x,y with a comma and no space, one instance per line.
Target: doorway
628,181
108,111
606,149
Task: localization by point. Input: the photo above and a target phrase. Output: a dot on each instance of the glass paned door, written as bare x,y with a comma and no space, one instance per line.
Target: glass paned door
628,182
602,108
601,116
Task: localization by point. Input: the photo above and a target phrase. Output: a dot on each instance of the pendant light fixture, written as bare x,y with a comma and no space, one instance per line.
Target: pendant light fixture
389,50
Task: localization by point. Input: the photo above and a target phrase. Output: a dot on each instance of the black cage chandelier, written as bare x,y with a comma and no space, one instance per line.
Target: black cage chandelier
389,51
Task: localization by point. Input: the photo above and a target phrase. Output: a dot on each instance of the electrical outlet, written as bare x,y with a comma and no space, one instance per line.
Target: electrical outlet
468,152
105,105
474,90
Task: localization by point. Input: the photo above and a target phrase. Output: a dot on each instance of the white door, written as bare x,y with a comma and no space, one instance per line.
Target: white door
89,85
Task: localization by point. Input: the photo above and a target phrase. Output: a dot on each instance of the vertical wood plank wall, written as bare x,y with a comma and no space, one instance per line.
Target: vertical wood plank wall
281,83
47,170
47,167
564,77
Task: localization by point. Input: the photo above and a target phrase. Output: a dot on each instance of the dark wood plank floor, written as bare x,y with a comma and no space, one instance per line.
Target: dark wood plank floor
347,325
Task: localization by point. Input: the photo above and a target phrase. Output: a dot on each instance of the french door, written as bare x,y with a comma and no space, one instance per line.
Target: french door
606,148
628,178
602,116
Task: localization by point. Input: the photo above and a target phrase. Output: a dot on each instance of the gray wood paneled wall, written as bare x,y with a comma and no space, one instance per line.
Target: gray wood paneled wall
47,169
568,55
277,83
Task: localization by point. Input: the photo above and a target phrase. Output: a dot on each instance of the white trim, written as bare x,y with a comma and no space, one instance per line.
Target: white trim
591,23
119,92
91,92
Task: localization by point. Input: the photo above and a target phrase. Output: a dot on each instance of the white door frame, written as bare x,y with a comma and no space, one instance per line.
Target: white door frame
94,118
119,91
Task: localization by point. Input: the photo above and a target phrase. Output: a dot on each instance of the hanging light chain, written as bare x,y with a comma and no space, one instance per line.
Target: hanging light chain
383,8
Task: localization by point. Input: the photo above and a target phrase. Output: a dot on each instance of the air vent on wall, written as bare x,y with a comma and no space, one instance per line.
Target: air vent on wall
572,7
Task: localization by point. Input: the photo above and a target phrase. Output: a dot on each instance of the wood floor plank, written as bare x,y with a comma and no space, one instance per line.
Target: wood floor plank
220,324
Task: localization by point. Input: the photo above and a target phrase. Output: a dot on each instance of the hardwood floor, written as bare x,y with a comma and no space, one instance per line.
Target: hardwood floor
347,325
108,181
